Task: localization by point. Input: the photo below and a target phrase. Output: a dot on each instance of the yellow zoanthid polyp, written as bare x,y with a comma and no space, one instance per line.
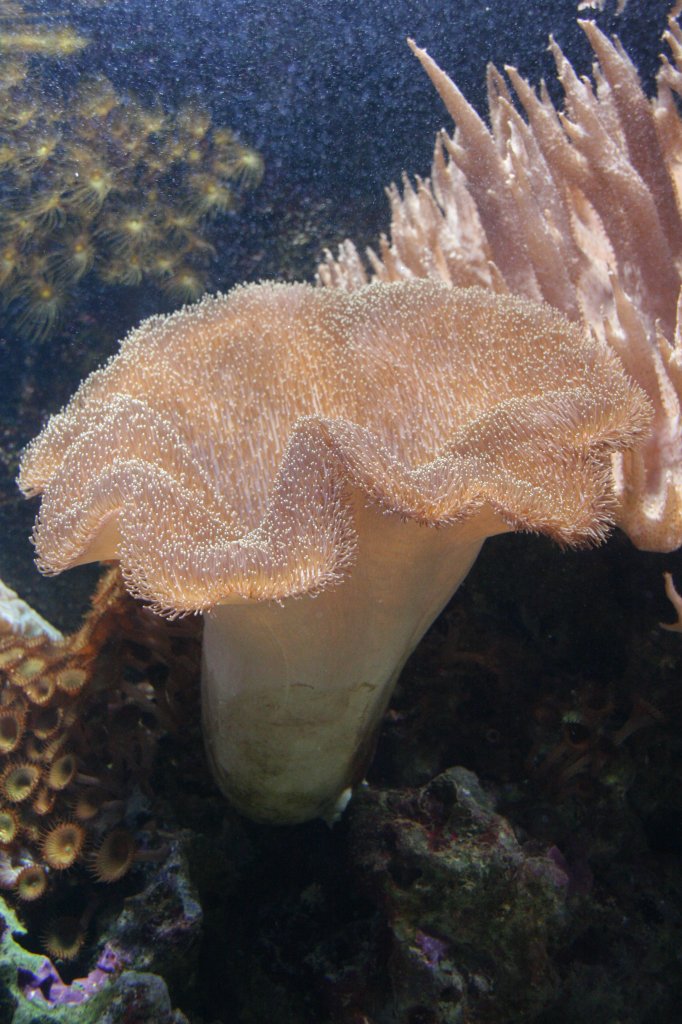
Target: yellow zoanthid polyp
41,303
208,196
91,182
75,256
185,285
129,229
245,166
193,121
47,209
36,149
126,270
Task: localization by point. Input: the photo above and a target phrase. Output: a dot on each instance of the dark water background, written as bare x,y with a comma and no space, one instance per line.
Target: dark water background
328,90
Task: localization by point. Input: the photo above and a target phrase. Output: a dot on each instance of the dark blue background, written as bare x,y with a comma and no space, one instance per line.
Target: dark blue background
327,89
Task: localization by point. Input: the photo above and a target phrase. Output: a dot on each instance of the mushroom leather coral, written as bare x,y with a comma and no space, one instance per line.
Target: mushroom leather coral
316,471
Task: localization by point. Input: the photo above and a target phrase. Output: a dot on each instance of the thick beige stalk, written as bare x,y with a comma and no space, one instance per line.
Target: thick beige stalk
293,693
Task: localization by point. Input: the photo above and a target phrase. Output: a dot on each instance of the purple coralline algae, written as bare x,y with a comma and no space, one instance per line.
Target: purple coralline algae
46,986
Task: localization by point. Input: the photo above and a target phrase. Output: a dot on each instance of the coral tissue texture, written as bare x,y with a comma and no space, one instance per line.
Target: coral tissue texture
215,454
579,208
286,442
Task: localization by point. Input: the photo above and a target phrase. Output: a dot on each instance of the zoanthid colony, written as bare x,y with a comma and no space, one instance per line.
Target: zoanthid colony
98,185
79,723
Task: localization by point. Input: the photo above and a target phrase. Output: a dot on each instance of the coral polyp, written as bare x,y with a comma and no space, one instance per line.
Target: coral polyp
43,802
194,122
39,691
13,72
245,166
129,230
178,223
75,257
61,43
46,210
126,269
9,263
151,121
24,111
185,285
9,826
208,195
63,938
18,781
91,184
27,668
63,844
87,805
45,722
71,680
62,771
36,151
114,856
95,99
31,883
40,305
12,723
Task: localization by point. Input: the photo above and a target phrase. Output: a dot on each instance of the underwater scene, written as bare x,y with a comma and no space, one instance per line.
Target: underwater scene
340,512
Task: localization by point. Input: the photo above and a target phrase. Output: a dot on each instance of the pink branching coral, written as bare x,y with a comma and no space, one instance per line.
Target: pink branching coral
579,207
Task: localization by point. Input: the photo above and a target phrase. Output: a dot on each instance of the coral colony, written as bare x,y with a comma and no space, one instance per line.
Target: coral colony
102,185
77,734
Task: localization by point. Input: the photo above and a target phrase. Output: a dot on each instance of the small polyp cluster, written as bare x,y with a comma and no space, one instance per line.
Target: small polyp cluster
64,771
104,186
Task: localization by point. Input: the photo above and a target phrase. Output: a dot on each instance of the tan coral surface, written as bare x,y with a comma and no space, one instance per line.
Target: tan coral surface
286,442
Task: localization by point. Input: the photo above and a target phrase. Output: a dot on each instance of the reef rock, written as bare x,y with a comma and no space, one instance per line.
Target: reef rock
32,990
470,913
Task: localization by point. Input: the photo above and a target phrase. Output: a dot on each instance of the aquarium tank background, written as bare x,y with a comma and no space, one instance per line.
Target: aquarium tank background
514,854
